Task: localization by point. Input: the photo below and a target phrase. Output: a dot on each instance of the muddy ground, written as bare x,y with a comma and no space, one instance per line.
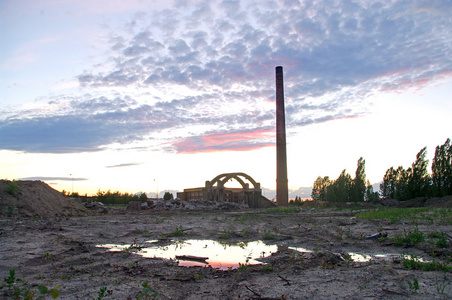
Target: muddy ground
62,251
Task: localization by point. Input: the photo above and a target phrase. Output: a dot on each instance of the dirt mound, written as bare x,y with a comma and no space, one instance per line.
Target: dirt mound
36,199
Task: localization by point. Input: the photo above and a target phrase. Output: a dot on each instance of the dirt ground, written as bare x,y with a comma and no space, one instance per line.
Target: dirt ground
63,251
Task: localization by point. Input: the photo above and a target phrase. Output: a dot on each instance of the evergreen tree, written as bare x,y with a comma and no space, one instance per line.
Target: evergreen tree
419,180
359,182
442,170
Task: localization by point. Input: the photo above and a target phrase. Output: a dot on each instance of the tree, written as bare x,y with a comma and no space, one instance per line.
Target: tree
319,188
403,177
419,181
388,186
370,194
168,196
442,170
342,187
334,191
143,197
359,182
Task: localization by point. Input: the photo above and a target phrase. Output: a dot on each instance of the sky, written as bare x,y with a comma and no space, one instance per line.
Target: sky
158,95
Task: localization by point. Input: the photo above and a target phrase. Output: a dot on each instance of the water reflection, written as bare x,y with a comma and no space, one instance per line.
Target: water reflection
224,255
205,252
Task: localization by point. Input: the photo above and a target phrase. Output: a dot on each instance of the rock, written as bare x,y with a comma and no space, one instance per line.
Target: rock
134,205
98,207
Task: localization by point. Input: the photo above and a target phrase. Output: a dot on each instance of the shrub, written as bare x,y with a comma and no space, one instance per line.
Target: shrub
13,188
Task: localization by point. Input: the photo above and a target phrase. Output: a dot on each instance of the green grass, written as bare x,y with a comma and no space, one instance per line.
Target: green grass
438,238
268,236
414,263
394,215
409,238
290,209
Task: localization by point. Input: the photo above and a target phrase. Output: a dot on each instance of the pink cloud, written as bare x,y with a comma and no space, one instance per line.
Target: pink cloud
244,140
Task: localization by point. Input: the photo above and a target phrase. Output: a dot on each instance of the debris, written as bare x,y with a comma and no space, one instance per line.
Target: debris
192,258
286,280
376,235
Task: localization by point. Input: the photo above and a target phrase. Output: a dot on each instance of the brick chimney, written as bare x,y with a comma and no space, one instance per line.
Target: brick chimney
282,193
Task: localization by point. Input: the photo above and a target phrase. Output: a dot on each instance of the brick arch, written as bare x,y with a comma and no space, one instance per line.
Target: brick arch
221,179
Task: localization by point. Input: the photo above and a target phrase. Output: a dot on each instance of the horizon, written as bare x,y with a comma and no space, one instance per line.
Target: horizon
137,95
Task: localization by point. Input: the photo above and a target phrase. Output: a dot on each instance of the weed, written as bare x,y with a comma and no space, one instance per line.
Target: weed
414,286
134,246
159,221
326,264
196,276
13,188
441,241
117,282
244,232
268,236
267,268
225,235
179,231
366,282
241,218
409,238
147,292
414,263
102,293
133,265
243,268
10,211
349,233
441,286
21,290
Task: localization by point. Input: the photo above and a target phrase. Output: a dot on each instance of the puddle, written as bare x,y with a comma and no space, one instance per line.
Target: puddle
205,252
359,257
300,249
224,256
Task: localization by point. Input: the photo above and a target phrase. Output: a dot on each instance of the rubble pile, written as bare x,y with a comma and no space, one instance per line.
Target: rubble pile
191,205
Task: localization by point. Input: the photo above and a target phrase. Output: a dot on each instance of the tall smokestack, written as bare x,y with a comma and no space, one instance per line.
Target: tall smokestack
282,194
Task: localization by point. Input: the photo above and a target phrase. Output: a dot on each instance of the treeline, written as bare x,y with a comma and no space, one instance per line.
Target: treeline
118,198
405,184
345,188
400,183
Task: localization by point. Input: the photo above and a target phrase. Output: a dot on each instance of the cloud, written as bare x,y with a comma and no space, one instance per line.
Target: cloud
206,71
242,140
42,178
333,46
90,125
124,165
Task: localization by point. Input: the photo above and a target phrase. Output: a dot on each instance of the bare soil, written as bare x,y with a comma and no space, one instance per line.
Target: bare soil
61,250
